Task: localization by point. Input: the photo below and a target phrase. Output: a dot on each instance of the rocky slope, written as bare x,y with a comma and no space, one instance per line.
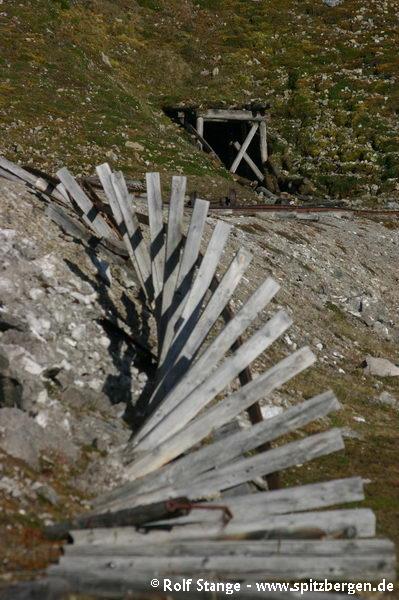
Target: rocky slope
81,79
75,355
69,372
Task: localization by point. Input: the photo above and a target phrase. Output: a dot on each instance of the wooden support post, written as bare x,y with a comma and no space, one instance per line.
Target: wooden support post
263,141
200,130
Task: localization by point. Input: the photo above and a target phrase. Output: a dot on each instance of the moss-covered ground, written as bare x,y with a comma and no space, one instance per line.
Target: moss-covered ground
78,79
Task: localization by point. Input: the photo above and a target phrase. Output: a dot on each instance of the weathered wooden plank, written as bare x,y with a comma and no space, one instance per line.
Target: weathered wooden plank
197,293
120,585
200,131
366,568
157,248
212,355
250,162
239,471
207,269
10,176
276,459
310,548
229,115
97,222
105,175
174,237
289,500
39,183
236,444
244,147
190,338
227,449
186,410
186,271
199,136
263,141
132,235
224,411
350,523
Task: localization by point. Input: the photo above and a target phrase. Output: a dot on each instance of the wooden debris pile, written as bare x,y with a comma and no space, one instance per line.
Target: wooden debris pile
188,508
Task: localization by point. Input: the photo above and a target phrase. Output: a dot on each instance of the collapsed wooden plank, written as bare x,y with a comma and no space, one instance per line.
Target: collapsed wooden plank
230,408
186,271
132,235
311,548
157,248
190,337
211,483
348,567
129,227
174,237
38,183
182,414
118,585
349,523
228,449
97,221
184,381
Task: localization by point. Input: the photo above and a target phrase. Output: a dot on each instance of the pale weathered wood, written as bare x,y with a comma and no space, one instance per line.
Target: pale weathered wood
244,147
263,141
186,271
174,237
130,230
285,456
220,114
132,235
191,336
38,183
195,297
210,358
206,270
242,441
297,499
120,585
369,568
184,412
224,411
327,547
231,446
211,483
200,131
97,221
351,523
250,162
10,176
157,249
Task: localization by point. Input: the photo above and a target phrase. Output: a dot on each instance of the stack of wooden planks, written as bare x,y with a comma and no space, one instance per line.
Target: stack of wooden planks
189,506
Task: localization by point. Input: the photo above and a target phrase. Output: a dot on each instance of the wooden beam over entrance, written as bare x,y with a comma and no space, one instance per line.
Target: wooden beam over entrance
218,114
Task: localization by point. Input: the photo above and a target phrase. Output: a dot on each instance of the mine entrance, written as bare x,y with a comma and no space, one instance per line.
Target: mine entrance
236,137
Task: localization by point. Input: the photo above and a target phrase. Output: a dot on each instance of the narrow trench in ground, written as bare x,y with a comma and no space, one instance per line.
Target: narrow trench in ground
221,136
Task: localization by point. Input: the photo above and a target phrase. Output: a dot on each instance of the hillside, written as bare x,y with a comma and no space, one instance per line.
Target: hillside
81,79
75,343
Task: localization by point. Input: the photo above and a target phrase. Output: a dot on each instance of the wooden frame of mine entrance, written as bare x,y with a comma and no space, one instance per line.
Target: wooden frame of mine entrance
257,122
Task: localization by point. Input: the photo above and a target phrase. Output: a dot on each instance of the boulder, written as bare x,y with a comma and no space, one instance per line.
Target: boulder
388,400
381,367
22,437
